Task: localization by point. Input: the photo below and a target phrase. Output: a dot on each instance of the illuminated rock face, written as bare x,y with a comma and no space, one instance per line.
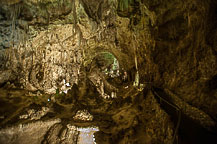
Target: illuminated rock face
45,55
26,133
53,46
83,115
48,132
54,63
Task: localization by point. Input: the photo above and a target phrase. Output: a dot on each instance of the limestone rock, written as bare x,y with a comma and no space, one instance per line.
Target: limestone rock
26,133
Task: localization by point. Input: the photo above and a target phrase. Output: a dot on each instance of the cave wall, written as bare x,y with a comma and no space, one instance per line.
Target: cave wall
184,50
47,41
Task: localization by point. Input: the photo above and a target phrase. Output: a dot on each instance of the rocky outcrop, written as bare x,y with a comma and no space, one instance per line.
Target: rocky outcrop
33,115
47,132
26,133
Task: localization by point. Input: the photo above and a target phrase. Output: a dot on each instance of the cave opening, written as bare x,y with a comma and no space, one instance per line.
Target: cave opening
108,64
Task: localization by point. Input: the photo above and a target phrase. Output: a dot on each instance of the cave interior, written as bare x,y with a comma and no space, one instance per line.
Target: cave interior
108,72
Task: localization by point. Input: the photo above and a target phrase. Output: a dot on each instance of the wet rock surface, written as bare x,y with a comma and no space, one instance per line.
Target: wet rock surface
55,60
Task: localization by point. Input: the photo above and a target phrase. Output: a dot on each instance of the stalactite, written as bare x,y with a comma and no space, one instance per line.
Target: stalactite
15,33
13,22
77,30
136,82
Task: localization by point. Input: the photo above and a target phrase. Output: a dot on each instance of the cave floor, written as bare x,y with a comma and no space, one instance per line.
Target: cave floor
16,102
113,117
132,117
